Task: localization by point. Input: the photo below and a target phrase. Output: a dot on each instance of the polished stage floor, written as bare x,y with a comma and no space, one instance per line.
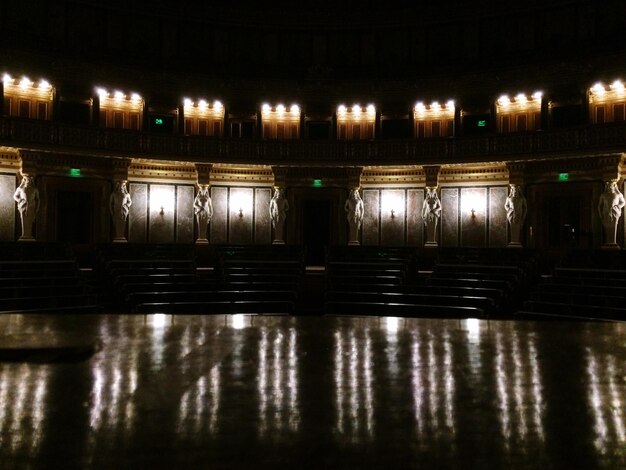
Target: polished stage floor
310,392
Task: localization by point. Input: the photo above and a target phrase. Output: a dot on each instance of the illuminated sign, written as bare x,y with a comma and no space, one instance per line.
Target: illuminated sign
563,176
317,183
75,172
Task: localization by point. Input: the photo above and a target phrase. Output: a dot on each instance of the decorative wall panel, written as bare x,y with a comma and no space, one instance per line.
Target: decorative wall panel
449,217
262,224
184,214
392,212
219,227
162,213
497,217
7,208
241,215
138,214
371,203
414,221
474,217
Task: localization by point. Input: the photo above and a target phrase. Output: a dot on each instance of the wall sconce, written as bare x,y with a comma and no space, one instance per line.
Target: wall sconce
161,212
240,213
393,214
473,213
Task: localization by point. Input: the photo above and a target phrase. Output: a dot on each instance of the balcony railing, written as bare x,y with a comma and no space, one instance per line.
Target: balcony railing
66,138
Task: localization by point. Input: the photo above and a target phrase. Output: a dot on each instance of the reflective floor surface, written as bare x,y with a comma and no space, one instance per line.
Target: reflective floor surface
315,392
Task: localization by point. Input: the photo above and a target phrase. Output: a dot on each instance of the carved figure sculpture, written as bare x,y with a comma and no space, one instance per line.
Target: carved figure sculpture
354,213
610,207
278,213
431,212
119,205
203,208
516,208
27,197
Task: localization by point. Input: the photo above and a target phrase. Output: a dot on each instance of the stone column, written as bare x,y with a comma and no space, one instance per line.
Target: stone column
27,198
610,207
516,209
119,205
431,213
278,213
354,214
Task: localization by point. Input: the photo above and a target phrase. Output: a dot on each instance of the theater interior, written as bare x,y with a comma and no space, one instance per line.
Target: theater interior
331,235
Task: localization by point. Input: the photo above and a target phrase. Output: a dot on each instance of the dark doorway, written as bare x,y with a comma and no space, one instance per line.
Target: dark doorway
74,216
316,230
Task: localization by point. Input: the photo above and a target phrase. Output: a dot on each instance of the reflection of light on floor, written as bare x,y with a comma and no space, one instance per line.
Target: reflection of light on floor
448,373
518,385
278,382
392,324
23,392
353,384
537,389
472,325
604,398
418,386
501,384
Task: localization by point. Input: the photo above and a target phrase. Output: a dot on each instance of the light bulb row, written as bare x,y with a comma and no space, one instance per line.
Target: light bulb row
520,100
25,83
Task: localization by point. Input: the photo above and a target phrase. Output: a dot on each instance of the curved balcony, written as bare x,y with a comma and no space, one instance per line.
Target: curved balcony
63,138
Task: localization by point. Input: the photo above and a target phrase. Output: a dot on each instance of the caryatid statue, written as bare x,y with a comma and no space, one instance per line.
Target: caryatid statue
278,213
610,207
516,208
119,205
354,214
27,197
203,208
431,212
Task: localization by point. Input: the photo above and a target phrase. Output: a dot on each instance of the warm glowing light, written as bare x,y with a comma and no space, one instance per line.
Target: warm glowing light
25,83
7,79
266,108
504,100
203,104
162,199
157,320
392,205
537,95
342,110
521,98
280,109
472,325
371,109
472,203
238,321
241,201
135,97
188,103
356,109
118,95
598,89
618,86
295,109
419,107
102,93
217,105
44,85
435,106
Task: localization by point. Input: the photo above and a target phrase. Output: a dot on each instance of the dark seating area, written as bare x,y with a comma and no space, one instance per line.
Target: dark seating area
464,282
165,279
584,285
43,277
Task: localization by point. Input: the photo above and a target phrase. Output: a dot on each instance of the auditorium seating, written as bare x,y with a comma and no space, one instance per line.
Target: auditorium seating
43,277
584,285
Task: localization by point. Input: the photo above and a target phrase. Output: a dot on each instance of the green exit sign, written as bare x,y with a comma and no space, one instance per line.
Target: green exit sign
158,121
482,123
75,172
317,183
563,176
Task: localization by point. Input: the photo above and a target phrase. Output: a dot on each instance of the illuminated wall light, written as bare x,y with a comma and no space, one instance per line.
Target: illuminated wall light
102,93
537,95
371,109
7,79
420,108
25,83
295,109
342,110
504,100
202,104
520,98
280,109
618,86
217,105
188,103
435,106
135,97
118,95
266,108
450,104
598,89
44,85
356,109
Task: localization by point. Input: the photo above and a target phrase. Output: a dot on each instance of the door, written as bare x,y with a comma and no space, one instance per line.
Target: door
74,216
316,229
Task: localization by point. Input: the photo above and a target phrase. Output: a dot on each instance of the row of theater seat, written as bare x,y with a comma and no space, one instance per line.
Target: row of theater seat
585,285
464,282
245,280
38,277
